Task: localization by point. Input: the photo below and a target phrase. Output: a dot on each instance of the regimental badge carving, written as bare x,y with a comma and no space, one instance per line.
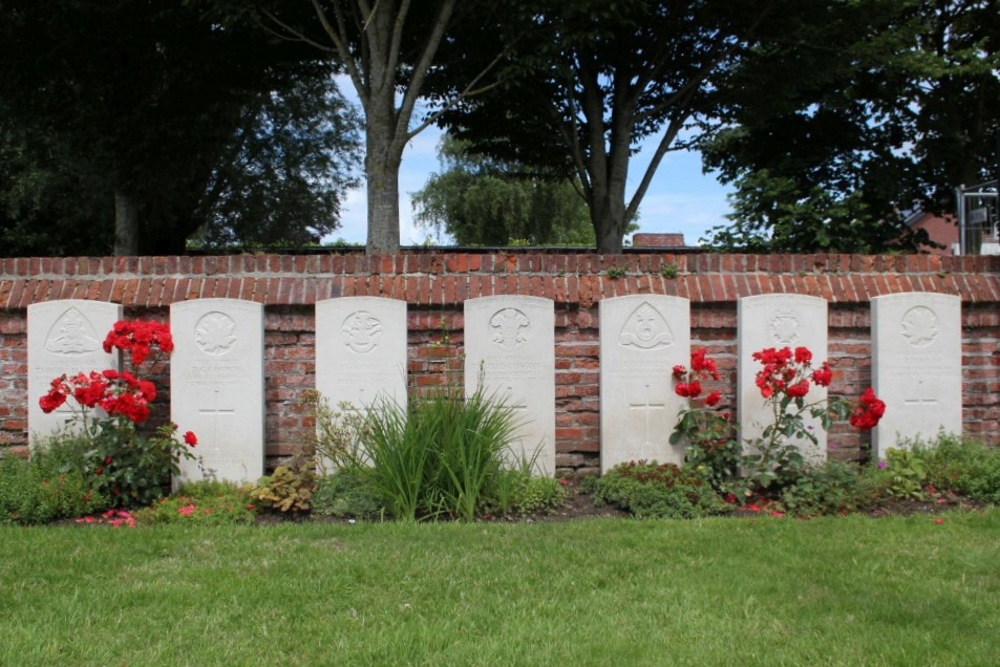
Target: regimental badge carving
215,333
71,335
646,329
509,329
785,327
362,331
919,326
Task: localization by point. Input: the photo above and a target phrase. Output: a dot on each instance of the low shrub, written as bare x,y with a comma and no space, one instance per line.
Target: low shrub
961,466
903,474
348,493
519,493
288,489
652,490
209,503
828,488
50,485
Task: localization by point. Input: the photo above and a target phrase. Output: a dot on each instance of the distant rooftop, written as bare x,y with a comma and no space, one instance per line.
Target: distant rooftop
669,240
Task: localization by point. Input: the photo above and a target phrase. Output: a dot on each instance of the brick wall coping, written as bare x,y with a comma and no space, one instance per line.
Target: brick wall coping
438,279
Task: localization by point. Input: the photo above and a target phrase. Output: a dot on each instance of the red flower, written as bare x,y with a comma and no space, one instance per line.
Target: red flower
190,438
822,376
867,415
148,390
679,371
799,389
703,364
712,399
51,400
803,355
139,338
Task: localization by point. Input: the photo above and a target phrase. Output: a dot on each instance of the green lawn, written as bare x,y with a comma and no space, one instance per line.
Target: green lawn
893,591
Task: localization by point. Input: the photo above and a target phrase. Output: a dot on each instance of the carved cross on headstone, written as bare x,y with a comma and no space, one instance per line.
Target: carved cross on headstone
215,411
647,405
921,396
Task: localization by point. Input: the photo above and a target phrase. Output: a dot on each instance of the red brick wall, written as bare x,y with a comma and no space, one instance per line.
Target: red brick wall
436,284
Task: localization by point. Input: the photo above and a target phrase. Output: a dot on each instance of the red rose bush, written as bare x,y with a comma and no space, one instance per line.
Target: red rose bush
133,467
784,380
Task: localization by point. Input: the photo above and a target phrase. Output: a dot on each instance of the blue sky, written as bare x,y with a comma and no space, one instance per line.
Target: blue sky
680,198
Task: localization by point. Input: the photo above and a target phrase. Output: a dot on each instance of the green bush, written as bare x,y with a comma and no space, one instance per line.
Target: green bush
965,467
652,490
829,488
903,474
348,493
49,486
209,503
519,493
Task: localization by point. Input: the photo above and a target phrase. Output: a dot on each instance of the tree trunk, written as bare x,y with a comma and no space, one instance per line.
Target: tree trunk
383,157
382,175
607,215
126,225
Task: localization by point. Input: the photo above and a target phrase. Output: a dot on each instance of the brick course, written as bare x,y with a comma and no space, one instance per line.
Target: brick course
435,284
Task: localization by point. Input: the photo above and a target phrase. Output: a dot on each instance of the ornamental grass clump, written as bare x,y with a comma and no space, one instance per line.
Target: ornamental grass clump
441,456
132,467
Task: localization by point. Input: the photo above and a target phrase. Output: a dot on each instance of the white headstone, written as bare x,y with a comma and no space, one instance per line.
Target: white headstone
916,366
642,338
510,351
778,321
361,352
64,337
217,386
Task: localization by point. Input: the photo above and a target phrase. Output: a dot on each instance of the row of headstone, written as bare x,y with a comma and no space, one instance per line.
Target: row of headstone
217,370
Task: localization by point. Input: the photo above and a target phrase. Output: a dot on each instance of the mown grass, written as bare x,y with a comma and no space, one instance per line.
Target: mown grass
854,590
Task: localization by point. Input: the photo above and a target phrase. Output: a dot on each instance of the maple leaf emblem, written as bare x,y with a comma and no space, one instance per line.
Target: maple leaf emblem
920,326
214,333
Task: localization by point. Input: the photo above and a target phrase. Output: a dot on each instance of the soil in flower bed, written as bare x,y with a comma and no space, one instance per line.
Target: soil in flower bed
581,506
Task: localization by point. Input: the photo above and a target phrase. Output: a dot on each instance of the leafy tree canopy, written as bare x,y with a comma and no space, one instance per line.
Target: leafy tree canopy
121,113
584,83
871,109
485,201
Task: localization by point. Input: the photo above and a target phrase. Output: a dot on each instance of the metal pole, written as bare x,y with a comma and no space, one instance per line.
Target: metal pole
960,202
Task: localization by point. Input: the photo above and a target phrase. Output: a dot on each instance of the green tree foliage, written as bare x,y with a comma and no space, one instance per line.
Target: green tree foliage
586,82
282,179
120,114
484,201
872,108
